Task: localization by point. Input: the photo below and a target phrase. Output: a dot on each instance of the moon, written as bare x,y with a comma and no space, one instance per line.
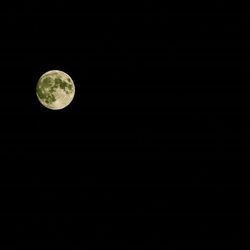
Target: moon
55,89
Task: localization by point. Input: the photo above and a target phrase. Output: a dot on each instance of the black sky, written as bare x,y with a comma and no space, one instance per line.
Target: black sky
153,151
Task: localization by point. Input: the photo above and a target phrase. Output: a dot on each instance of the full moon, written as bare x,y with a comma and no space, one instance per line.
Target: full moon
55,89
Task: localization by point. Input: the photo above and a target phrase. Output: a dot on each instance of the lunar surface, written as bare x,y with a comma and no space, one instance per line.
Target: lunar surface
55,89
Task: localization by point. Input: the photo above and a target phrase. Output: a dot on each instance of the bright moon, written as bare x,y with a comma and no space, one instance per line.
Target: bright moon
55,89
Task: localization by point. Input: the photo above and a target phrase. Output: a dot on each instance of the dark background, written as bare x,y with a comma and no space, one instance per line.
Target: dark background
152,152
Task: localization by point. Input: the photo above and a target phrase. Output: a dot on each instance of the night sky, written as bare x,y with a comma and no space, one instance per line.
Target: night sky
154,149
